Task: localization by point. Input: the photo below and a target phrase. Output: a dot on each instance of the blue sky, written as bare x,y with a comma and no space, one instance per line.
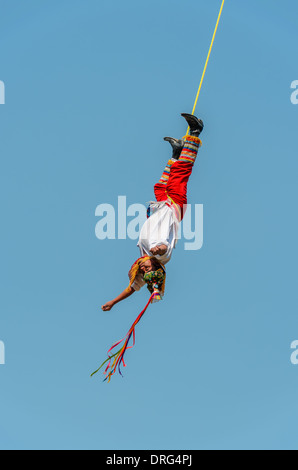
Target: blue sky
91,90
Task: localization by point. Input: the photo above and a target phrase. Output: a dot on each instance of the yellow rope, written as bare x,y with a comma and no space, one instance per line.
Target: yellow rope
207,61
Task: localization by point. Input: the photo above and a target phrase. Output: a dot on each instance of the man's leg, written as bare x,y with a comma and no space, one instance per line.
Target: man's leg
173,182
181,170
160,189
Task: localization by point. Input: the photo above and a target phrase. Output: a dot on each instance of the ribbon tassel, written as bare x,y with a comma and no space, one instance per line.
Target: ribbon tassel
119,355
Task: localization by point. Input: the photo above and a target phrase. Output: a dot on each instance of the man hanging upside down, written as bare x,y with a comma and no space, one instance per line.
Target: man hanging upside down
159,234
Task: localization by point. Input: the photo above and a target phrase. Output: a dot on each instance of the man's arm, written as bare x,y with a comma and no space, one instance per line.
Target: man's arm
124,295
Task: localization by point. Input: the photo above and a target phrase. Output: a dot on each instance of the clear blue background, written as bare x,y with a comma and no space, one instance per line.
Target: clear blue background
92,88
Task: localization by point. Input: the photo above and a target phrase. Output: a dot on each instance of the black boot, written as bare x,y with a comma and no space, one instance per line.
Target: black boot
177,146
196,125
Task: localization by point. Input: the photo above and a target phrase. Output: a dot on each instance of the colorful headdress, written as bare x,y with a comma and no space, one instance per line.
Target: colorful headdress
155,280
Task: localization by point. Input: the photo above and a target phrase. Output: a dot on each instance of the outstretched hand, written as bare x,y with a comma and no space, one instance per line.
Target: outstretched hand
108,306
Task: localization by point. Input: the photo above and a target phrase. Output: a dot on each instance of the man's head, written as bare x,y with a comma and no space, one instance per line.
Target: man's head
154,276
149,265
154,273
